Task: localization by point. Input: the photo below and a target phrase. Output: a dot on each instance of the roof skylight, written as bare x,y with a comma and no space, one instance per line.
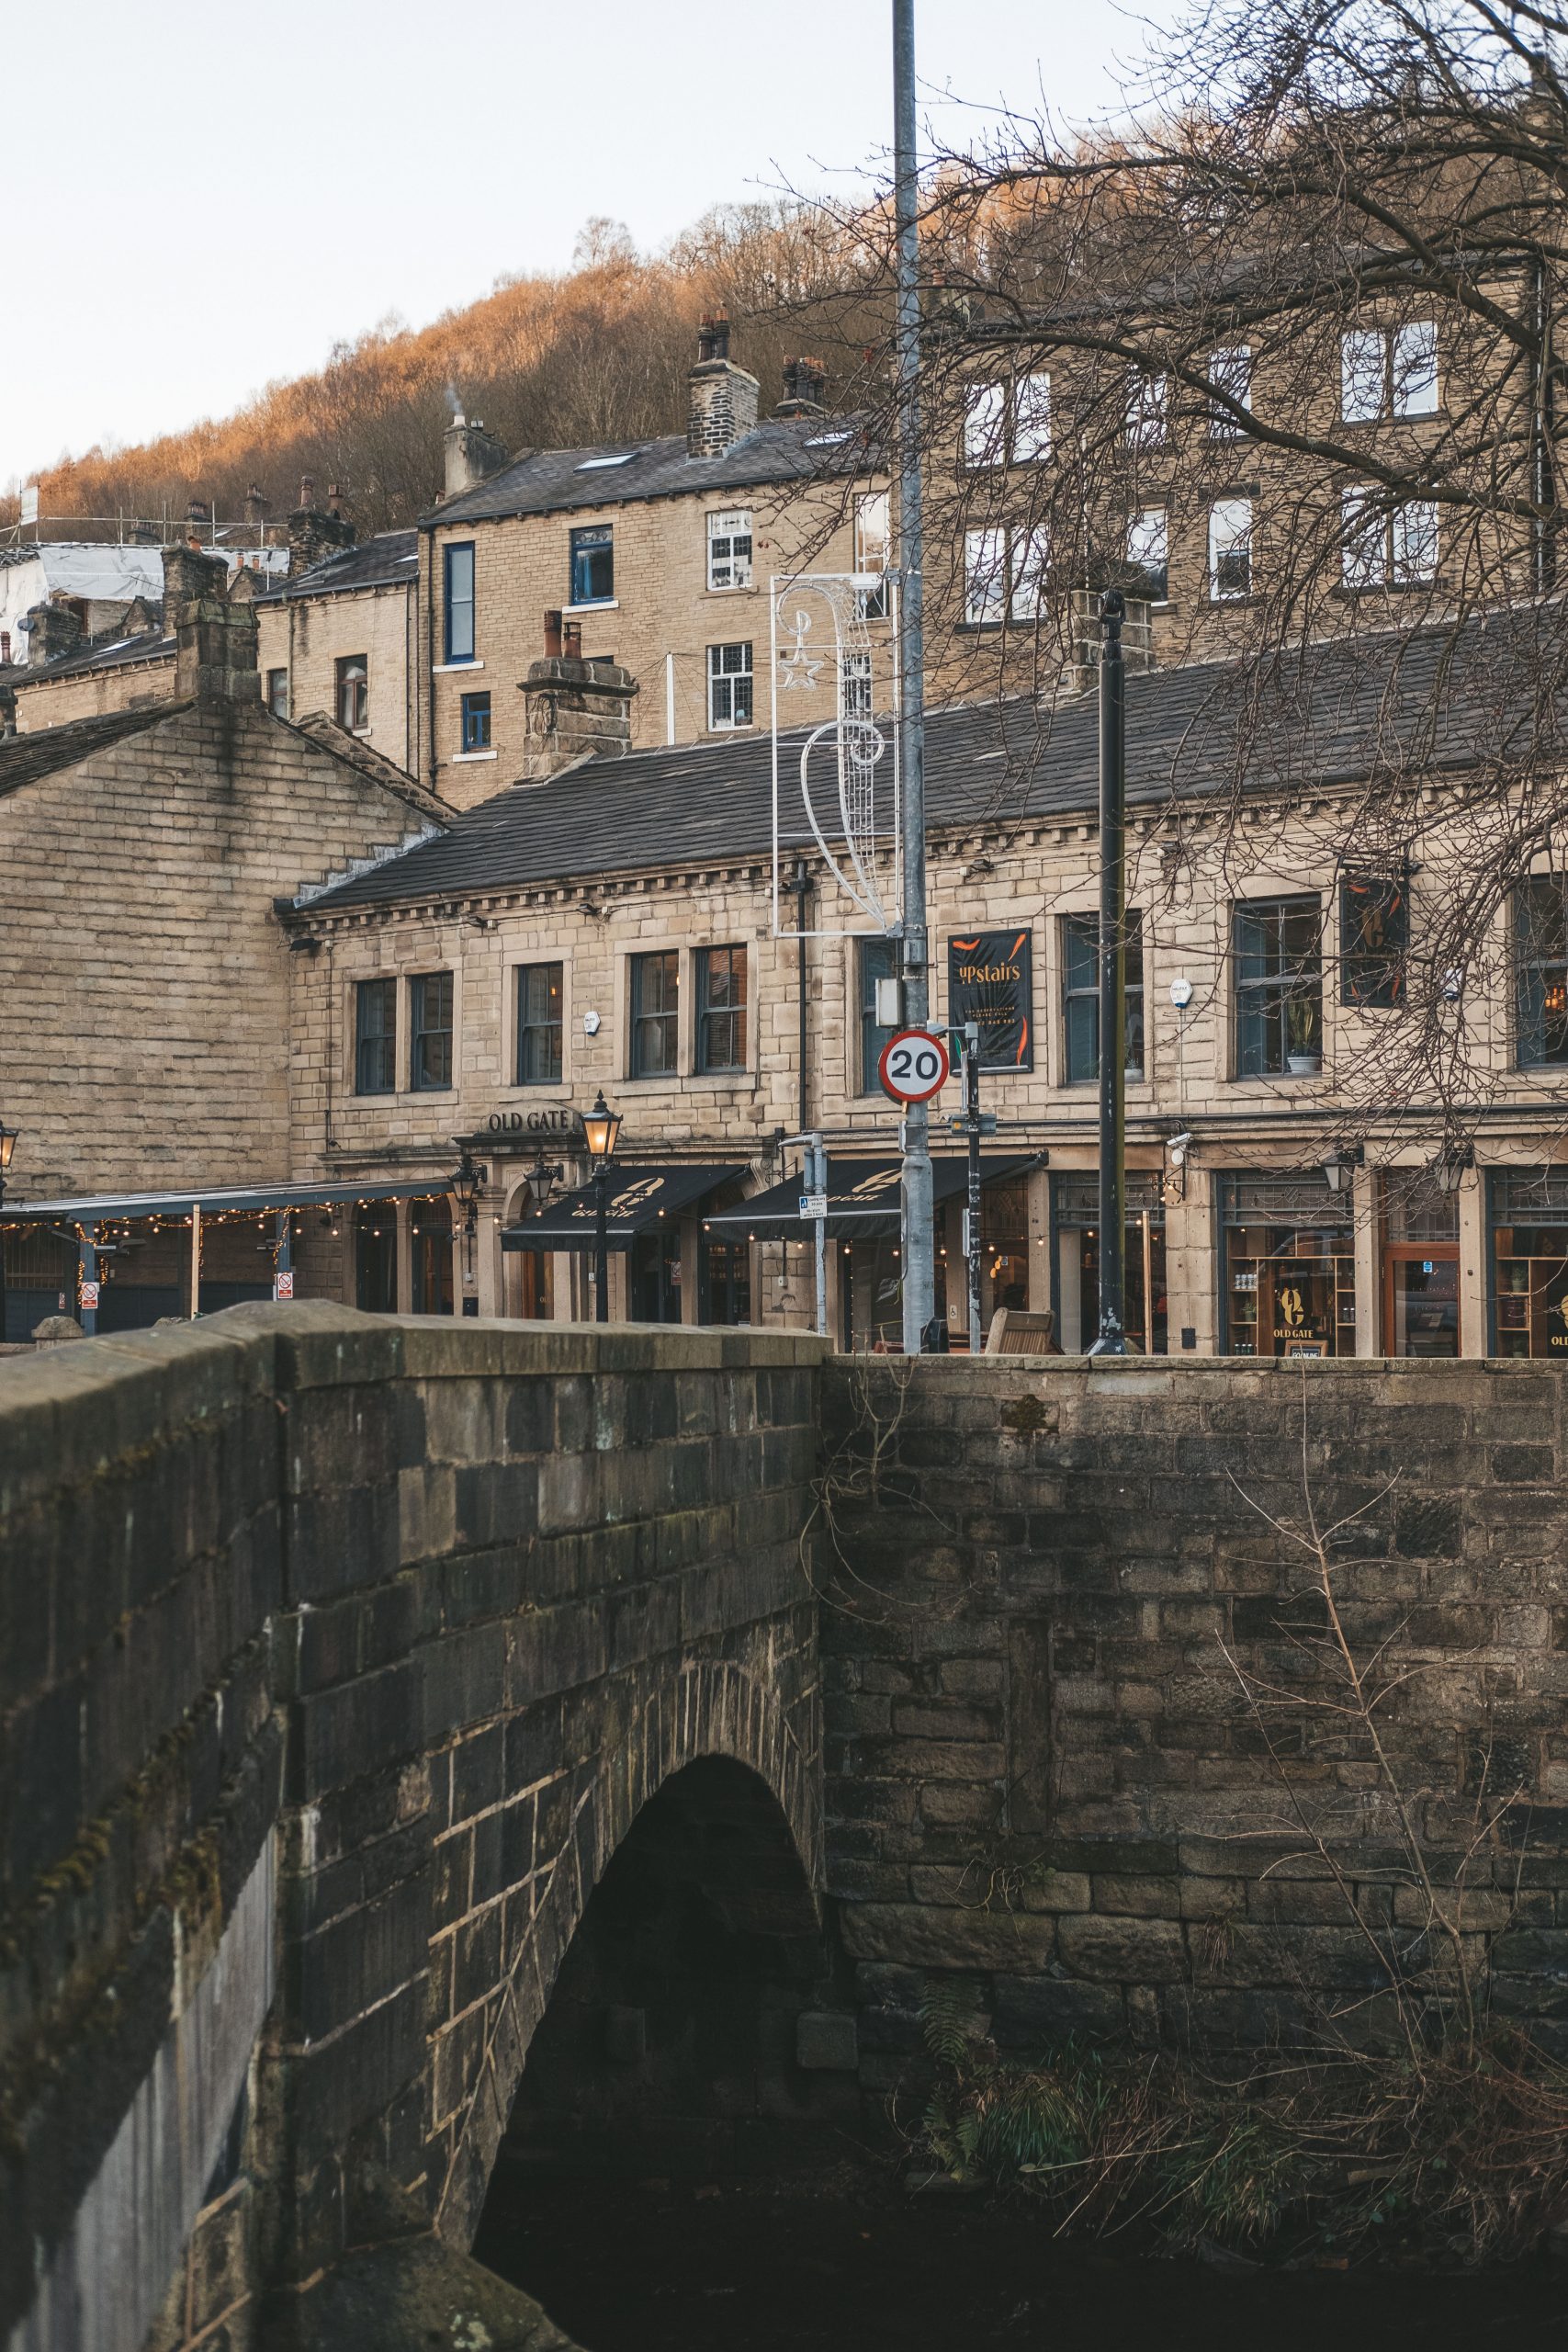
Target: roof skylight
593,465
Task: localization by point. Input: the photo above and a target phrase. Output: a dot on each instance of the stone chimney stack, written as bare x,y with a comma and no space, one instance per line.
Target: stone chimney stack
199,516
215,641
256,505
470,455
722,407
53,628
315,532
574,708
805,381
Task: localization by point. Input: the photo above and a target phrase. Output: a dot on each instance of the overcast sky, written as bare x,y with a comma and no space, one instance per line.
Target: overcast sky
202,199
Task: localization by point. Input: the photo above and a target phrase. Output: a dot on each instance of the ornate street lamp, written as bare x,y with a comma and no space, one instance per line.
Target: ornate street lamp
1448,1170
540,1179
1341,1166
7,1145
464,1185
602,1131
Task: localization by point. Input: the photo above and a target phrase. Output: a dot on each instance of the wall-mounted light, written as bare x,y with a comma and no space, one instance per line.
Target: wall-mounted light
1341,1166
1448,1169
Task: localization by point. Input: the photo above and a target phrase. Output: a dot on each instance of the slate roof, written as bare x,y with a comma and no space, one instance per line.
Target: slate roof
388,560
27,759
117,653
549,481
1431,700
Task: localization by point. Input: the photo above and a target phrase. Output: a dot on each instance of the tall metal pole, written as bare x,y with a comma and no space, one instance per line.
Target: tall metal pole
919,1234
602,1242
1113,1339
972,1112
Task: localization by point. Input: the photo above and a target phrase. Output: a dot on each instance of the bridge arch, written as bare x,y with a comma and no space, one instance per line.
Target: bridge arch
716,1713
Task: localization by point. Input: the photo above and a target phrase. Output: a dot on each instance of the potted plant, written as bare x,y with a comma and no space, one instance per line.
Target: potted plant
1303,1046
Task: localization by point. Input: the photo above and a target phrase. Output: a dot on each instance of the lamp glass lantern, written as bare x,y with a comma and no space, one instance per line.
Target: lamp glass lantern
602,1129
7,1144
465,1186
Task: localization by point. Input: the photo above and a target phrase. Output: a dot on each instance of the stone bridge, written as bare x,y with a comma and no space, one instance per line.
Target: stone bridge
421,1748
337,1656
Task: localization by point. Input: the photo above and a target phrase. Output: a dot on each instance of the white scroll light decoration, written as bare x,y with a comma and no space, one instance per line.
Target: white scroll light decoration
846,771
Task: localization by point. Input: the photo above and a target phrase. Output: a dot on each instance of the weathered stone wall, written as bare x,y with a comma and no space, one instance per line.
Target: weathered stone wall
308,636
1043,1771
127,686
367,1639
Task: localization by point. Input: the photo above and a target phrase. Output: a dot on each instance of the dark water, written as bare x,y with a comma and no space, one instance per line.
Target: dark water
651,2269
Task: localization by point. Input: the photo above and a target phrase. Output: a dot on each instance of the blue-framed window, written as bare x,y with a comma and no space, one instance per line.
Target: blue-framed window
460,604
593,565
376,1037
430,1032
476,722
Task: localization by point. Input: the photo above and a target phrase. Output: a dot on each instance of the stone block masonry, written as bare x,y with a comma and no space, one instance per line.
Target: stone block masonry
1043,1769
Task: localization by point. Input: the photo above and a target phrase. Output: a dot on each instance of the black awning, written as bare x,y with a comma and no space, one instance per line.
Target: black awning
219,1200
862,1199
638,1198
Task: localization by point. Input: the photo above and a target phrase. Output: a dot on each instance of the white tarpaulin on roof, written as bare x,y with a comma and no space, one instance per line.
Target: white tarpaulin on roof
100,575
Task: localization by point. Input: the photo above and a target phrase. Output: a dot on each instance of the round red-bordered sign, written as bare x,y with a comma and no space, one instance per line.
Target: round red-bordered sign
914,1066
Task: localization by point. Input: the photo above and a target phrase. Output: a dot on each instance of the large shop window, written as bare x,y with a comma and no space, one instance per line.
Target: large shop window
1527,1213
430,1032
539,1023
656,1016
1420,1257
721,1009
1540,970
1277,944
1080,996
877,960
459,602
376,1037
375,1257
1288,1265
1074,1210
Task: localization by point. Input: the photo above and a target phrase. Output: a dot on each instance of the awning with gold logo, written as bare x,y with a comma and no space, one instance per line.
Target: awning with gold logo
863,1200
638,1198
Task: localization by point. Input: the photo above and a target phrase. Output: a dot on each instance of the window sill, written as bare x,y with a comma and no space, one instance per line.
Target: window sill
461,759
738,588
362,734
449,669
599,605
718,734
1351,596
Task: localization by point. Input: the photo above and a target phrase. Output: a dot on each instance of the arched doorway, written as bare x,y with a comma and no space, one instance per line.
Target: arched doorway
672,2040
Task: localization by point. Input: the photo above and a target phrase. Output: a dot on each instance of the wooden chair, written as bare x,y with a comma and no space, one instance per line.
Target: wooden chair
1015,1332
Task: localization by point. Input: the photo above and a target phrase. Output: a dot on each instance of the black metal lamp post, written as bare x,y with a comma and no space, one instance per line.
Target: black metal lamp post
7,1145
464,1186
602,1131
1113,1339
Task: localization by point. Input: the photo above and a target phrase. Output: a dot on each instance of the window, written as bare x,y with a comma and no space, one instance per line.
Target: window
1230,372
1028,568
1388,372
878,961
985,417
1230,548
353,692
729,686
277,693
430,1032
721,1008
459,627
1080,997
1374,936
1148,547
1031,420
1008,424
476,722
656,1014
1387,547
539,1024
874,548
1148,401
730,550
593,565
376,1037
985,577
1279,987
1540,970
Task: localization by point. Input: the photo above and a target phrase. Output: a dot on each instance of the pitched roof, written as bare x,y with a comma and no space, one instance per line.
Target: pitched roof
115,653
548,482
26,759
1434,699
389,559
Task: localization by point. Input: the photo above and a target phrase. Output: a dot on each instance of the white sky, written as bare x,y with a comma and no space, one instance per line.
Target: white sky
202,199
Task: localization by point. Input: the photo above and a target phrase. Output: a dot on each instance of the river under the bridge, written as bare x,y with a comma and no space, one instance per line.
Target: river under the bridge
657,2268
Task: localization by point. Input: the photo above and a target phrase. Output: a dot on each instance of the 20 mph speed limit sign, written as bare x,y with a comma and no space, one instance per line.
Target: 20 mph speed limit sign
914,1066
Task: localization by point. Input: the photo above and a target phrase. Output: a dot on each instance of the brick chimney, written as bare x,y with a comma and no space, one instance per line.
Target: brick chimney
256,505
722,406
470,455
574,708
53,628
215,641
199,516
316,532
805,381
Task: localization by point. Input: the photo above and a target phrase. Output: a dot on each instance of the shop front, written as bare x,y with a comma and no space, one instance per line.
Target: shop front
1287,1261
653,1240
1074,1240
1418,1232
1526,1217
